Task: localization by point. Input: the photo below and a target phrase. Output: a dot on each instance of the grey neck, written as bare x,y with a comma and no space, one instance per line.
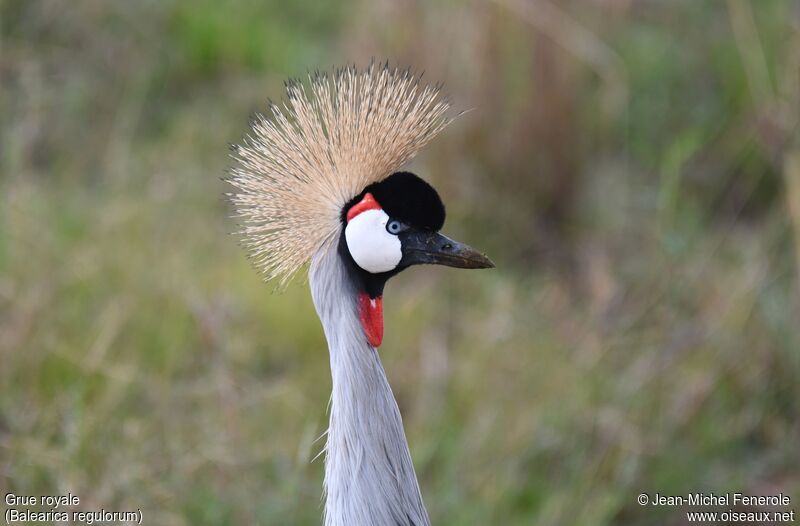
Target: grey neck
369,476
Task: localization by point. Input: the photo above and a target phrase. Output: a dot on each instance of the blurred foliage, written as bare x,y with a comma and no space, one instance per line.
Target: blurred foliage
633,166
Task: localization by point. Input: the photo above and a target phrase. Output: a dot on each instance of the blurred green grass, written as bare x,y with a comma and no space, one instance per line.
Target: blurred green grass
641,200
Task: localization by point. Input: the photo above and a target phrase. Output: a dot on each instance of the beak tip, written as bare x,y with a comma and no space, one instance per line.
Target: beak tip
479,261
487,263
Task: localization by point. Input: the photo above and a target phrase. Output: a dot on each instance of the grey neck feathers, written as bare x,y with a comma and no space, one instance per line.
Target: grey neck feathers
369,476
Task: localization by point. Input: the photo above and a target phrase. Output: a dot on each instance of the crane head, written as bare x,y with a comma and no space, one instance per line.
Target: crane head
322,168
392,225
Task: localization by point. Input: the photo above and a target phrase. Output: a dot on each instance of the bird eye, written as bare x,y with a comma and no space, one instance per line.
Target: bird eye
395,227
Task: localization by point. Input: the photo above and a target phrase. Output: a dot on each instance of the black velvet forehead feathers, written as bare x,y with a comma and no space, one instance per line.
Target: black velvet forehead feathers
407,198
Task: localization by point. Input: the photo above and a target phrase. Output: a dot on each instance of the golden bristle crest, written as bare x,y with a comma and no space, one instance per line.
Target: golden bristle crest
304,161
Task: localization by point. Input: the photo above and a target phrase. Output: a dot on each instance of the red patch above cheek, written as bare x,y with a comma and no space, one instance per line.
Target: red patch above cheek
367,203
370,311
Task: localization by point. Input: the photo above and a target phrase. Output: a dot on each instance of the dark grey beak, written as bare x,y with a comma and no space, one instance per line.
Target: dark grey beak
432,248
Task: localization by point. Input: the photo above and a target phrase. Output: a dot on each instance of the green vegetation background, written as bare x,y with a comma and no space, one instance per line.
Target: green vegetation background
632,166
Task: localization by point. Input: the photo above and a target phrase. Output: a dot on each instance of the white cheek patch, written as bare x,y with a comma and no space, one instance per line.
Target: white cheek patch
372,247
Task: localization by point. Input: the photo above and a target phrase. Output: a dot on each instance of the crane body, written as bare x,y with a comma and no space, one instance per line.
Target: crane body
318,181
369,476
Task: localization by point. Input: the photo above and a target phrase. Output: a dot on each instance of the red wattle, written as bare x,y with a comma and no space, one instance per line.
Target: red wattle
367,203
370,310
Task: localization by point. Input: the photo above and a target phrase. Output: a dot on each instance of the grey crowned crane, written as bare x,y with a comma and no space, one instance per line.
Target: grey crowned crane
319,180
